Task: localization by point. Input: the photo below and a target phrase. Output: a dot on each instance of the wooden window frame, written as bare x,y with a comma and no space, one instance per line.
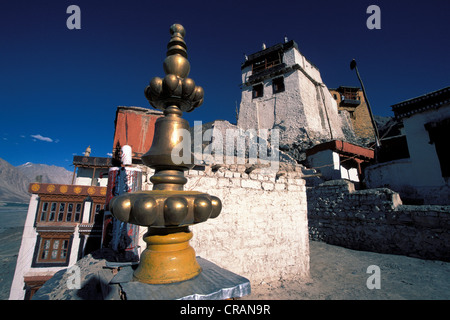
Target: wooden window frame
266,62
58,211
52,250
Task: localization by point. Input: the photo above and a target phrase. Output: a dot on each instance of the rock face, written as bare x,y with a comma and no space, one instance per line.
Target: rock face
94,278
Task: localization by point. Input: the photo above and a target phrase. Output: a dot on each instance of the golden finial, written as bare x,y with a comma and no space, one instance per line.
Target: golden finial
175,88
168,210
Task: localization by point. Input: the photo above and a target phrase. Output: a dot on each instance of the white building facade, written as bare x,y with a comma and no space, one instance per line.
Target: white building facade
63,223
425,174
282,89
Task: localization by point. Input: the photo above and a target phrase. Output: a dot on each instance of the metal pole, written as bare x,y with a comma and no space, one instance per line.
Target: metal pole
377,137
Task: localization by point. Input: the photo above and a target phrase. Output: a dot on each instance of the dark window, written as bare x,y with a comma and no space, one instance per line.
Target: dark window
62,207
52,212
439,133
278,85
69,212
393,148
44,211
258,91
350,94
78,212
266,62
352,115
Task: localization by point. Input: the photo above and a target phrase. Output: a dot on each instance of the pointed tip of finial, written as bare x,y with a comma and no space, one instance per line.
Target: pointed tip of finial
175,88
176,62
177,45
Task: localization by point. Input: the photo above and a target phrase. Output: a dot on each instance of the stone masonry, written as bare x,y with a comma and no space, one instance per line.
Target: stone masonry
262,231
375,220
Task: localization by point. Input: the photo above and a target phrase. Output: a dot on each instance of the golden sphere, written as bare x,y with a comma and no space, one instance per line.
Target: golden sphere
188,87
156,87
177,64
216,206
198,93
144,210
170,83
202,209
121,207
175,210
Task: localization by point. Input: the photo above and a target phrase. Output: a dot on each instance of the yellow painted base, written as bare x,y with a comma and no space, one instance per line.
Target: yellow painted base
168,258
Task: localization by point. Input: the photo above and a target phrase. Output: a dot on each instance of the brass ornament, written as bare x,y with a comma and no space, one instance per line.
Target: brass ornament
168,210
175,88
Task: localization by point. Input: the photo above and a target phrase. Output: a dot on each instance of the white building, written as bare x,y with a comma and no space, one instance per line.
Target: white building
424,175
282,89
339,160
63,223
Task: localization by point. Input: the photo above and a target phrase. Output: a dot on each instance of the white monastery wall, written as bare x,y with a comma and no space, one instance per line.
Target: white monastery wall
420,175
262,231
424,160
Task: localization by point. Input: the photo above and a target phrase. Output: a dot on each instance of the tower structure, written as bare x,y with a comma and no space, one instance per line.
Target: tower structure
282,89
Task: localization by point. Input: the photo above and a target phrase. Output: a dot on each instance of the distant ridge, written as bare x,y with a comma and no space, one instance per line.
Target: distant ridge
14,181
45,174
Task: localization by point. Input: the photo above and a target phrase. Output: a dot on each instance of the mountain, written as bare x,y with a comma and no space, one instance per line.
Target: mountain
45,174
13,184
14,181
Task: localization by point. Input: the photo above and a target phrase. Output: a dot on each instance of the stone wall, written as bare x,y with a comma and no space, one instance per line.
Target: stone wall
262,231
375,220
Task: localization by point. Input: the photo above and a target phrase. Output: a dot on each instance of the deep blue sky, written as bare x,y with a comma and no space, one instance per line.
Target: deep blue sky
65,85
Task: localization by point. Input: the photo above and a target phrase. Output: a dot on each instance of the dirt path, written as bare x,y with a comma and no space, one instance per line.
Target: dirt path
339,274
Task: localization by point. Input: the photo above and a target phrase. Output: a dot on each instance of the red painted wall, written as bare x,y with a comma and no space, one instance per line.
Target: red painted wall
135,127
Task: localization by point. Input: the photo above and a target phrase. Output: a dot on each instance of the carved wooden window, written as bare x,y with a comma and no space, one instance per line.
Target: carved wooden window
60,211
52,249
266,62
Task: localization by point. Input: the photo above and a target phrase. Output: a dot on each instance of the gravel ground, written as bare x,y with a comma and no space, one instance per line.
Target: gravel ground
336,273
341,274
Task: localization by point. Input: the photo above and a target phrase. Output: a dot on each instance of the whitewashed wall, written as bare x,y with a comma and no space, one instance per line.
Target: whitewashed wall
262,231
